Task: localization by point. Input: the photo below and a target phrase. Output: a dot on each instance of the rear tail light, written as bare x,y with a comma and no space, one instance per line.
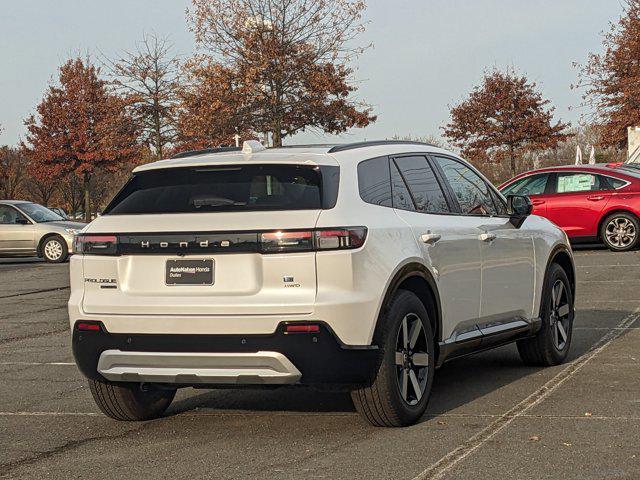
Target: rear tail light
334,238
96,244
299,241
340,238
280,241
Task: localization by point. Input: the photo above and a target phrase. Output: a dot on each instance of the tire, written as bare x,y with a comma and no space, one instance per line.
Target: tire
620,231
551,344
128,401
54,249
382,402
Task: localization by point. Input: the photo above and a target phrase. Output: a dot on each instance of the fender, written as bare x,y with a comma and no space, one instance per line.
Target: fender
566,262
413,269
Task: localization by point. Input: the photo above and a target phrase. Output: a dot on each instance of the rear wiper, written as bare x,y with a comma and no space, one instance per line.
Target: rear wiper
216,202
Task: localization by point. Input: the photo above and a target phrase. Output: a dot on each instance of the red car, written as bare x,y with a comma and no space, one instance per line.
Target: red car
589,202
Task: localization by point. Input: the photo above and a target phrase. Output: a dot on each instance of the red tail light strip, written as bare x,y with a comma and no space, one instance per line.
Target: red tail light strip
279,241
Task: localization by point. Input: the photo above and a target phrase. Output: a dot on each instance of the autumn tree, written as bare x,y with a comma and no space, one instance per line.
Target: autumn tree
502,116
40,186
611,80
148,77
13,172
285,60
209,115
80,127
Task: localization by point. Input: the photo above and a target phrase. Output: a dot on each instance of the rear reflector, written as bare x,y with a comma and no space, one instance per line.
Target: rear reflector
304,328
88,327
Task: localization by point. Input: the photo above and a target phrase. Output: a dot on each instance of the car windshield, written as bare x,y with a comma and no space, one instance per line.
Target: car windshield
38,213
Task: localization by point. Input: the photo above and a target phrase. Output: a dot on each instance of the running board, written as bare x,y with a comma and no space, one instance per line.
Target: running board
485,336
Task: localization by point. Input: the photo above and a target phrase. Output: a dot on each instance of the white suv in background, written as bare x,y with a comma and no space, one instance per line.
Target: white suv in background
361,266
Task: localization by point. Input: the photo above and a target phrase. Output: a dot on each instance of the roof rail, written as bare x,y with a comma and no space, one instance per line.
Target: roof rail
311,145
375,143
204,151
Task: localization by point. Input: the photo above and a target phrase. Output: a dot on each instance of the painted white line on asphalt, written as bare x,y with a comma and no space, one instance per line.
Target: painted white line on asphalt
49,414
37,363
322,414
608,281
438,469
609,265
586,304
606,328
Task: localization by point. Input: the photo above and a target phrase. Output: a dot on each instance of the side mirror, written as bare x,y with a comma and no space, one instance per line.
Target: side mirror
22,221
519,208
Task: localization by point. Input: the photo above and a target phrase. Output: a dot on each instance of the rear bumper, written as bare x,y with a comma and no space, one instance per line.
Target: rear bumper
269,368
196,360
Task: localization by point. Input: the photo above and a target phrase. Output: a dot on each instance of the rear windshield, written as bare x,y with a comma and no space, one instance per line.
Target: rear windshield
223,189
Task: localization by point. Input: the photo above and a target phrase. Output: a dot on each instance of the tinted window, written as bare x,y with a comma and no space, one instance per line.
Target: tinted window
532,185
422,183
616,182
8,215
469,188
223,188
580,182
401,197
374,181
500,204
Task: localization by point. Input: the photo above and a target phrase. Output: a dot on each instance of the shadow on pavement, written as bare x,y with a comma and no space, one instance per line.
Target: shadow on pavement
457,383
19,260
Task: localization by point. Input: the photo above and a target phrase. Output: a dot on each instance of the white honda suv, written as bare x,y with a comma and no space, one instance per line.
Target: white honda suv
361,266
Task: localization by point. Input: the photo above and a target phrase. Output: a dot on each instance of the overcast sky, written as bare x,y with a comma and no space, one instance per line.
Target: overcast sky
427,54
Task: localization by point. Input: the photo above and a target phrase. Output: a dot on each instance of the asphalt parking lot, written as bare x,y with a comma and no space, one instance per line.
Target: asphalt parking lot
489,417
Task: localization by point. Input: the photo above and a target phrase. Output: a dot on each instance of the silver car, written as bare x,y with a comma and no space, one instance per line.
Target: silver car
28,229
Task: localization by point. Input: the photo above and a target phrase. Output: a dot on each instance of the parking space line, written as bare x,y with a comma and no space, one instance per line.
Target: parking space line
49,414
44,290
606,328
36,363
441,467
324,414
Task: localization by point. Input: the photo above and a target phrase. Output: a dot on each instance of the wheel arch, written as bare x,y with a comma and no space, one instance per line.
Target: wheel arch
561,255
416,278
42,241
608,213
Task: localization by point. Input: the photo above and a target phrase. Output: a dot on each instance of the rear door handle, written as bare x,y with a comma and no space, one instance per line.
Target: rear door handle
487,237
595,198
537,202
430,238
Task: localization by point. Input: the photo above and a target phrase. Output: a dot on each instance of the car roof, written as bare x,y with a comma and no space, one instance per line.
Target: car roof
296,154
601,168
302,155
14,202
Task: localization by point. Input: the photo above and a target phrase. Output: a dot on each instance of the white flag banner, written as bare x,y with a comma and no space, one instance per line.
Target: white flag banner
578,155
592,156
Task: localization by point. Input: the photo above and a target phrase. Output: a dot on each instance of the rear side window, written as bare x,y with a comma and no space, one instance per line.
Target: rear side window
401,197
616,182
225,188
374,181
580,182
423,185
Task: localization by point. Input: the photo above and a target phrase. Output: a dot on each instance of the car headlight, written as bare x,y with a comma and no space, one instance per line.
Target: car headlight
72,231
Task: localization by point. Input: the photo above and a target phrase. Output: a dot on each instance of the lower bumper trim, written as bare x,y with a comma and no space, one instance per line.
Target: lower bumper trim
269,368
